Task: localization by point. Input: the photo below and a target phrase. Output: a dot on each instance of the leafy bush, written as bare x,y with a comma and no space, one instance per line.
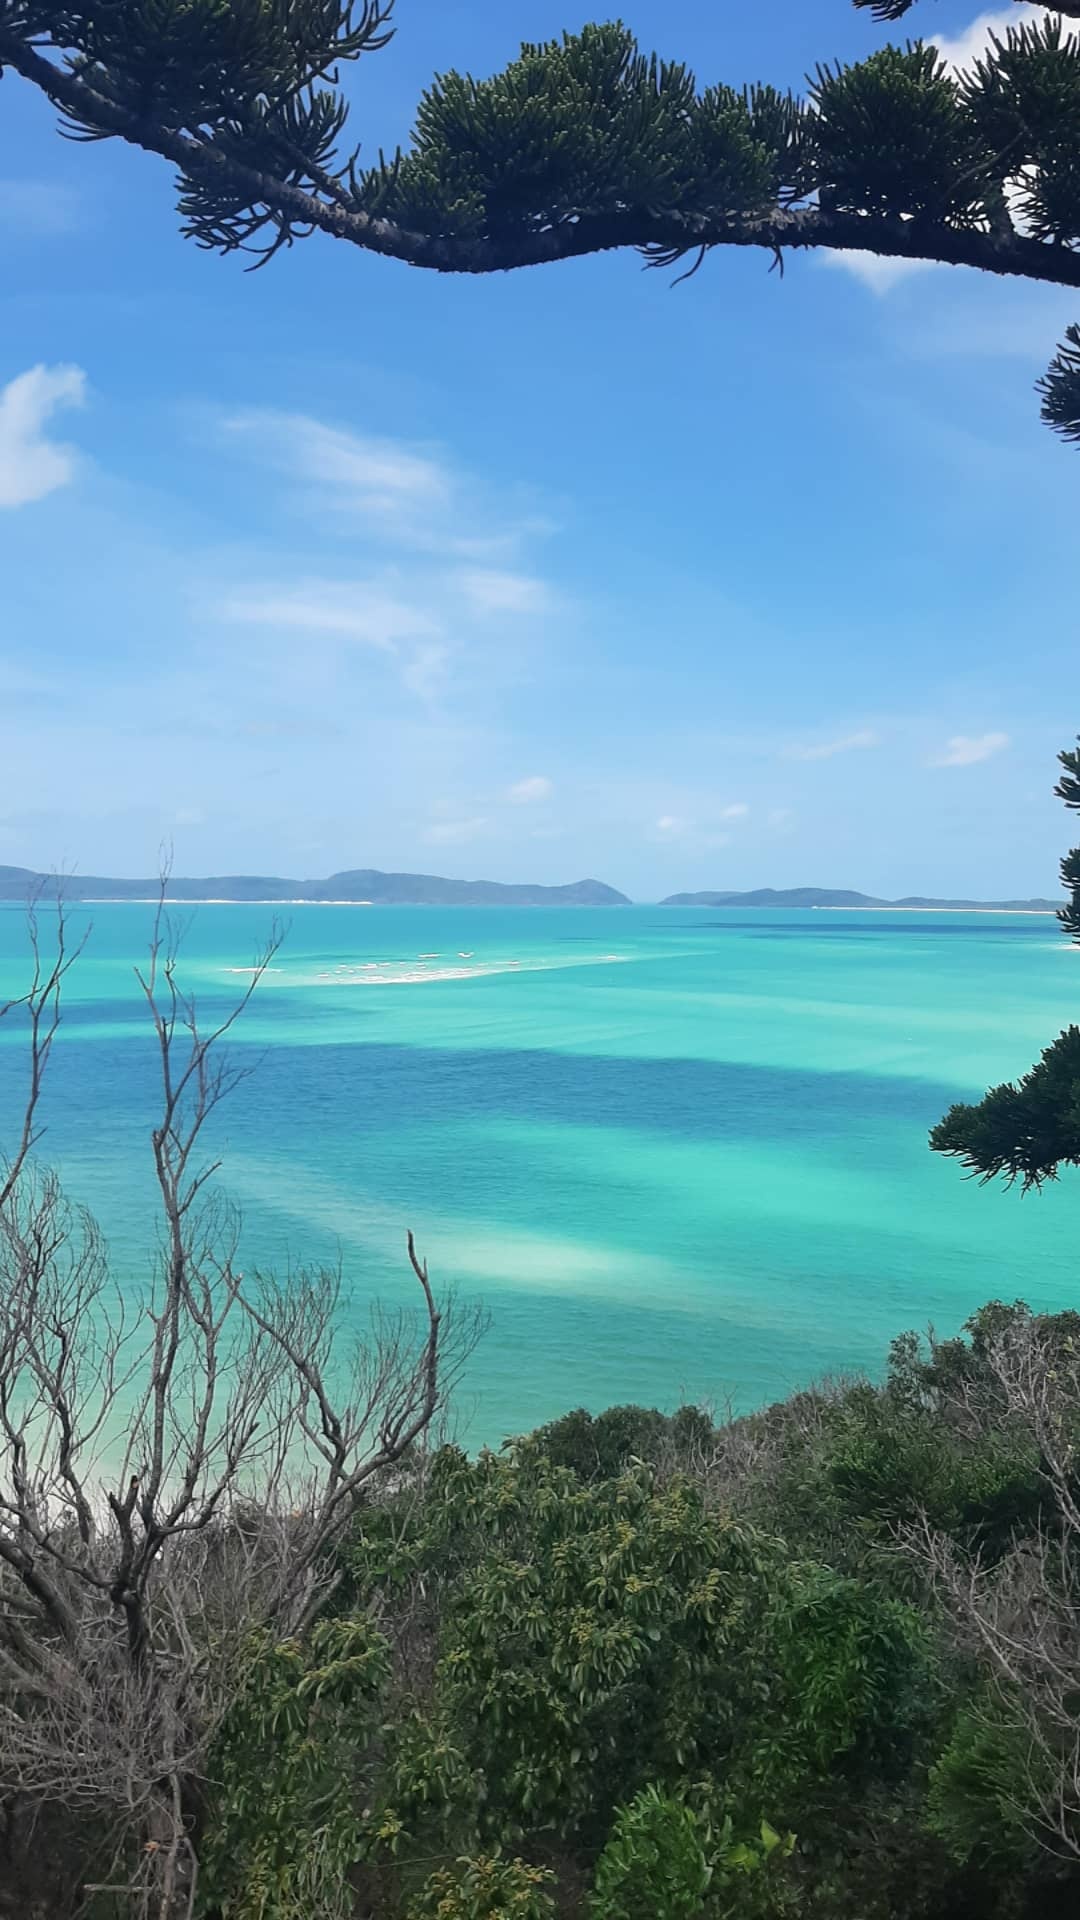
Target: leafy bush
286,1775
486,1888
601,1446
972,1802
654,1866
617,1673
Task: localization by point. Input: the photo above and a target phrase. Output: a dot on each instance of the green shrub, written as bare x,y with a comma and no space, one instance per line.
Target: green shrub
891,1464
286,1773
595,1638
976,1797
486,1888
619,1669
602,1446
654,1865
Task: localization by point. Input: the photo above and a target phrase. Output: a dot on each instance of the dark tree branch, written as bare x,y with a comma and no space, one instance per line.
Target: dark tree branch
891,10
655,233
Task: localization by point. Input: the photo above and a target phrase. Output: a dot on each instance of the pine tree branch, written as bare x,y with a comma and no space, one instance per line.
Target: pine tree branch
892,10
660,234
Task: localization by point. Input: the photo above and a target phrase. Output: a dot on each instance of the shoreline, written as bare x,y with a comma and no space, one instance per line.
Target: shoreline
221,900
1030,913
207,900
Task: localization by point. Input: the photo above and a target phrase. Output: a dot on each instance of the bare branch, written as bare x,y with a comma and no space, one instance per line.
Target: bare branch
41,1003
1021,1616
174,1471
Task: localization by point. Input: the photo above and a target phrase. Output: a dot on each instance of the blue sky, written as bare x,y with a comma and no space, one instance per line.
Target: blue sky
569,572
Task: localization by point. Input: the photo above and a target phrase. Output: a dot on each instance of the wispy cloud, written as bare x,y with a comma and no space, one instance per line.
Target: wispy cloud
526,793
31,465
386,479
967,749
354,610
490,590
874,270
828,749
394,491
416,519
669,826
702,825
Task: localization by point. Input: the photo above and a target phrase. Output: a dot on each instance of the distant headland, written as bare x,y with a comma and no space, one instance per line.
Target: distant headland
368,887
360,886
838,897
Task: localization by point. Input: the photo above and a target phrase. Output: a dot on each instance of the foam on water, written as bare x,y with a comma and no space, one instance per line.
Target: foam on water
420,972
675,1153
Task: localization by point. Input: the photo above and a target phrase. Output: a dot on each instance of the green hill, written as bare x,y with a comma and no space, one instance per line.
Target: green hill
358,884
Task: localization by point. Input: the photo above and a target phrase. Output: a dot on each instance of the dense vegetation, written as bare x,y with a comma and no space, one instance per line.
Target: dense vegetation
1026,1130
821,1661
582,144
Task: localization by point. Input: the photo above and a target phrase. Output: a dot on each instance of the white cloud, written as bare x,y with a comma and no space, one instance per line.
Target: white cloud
781,819
30,465
354,610
826,749
526,793
448,833
433,606
383,478
966,749
394,491
961,50
490,590
705,830
875,270
350,614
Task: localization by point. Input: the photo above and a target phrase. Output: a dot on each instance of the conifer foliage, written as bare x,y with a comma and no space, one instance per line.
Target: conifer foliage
582,144
1028,1130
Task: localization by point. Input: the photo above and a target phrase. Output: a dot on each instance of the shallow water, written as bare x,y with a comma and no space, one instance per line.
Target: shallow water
677,1152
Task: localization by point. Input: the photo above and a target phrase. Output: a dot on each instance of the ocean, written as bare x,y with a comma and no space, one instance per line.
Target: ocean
678,1153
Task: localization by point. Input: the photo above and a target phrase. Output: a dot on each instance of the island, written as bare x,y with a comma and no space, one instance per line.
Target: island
359,886
840,897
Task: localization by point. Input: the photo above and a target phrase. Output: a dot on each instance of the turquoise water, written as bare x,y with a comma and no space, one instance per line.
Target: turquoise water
676,1152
